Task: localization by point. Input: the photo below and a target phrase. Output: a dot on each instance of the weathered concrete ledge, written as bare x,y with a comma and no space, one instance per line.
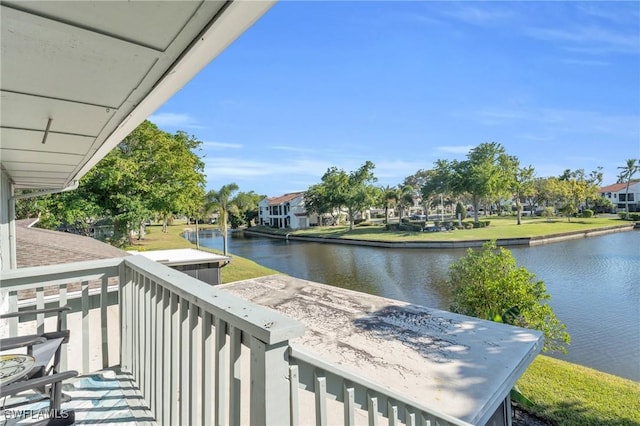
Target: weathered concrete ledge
523,241
462,366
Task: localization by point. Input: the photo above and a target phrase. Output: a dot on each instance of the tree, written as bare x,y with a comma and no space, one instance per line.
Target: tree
339,189
244,208
488,284
389,200
521,182
626,173
440,181
404,199
484,174
221,200
177,180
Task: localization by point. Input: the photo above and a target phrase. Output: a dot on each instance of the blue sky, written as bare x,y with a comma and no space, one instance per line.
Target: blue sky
319,84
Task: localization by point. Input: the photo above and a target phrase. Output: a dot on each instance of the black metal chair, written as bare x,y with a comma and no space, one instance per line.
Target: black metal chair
45,376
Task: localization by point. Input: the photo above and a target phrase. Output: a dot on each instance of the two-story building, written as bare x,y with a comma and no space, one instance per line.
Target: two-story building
617,194
285,211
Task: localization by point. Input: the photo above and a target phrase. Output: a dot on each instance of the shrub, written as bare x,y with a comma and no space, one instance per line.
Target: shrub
486,223
549,212
391,227
460,210
587,213
623,215
634,216
467,225
488,284
366,224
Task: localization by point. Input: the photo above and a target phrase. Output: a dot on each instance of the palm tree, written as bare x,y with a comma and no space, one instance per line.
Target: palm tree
221,200
626,173
405,198
390,197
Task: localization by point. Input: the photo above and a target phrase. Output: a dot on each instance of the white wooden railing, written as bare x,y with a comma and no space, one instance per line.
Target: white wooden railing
200,355
352,395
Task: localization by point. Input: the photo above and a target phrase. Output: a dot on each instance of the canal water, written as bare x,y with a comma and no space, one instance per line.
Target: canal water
594,283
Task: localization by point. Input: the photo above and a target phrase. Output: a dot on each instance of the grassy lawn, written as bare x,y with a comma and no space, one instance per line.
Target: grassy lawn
239,268
563,393
570,394
501,227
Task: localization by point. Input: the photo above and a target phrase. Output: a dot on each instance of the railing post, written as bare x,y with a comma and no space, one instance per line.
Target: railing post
269,394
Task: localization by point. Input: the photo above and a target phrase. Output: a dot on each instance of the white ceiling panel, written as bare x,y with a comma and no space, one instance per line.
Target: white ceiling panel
33,112
59,61
125,20
39,157
31,140
15,167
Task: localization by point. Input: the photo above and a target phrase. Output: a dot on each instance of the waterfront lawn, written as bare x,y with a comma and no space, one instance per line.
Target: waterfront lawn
239,268
500,227
570,394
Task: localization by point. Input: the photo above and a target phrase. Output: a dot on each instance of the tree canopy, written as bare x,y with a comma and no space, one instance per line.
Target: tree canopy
338,189
150,173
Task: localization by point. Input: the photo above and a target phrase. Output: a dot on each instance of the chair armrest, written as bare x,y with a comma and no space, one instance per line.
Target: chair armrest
17,387
21,341
35,311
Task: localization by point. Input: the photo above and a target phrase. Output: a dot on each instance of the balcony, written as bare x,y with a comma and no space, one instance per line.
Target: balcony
197,354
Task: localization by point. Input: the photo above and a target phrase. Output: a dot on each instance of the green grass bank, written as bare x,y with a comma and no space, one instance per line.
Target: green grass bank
562,393
239,268
501,227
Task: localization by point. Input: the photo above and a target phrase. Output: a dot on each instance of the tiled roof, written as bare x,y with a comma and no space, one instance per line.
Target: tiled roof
616,187
41,247
274,201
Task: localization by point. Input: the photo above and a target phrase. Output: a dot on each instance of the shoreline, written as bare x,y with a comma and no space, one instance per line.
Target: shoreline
504,242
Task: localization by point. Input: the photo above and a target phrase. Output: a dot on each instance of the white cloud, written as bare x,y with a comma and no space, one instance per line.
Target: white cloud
220,145
170,119
479,16
456,149
588,39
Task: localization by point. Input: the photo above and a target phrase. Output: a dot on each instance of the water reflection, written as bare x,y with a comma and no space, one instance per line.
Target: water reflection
594,283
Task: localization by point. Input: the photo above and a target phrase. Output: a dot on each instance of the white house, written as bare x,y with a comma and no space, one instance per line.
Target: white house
617,194
285,211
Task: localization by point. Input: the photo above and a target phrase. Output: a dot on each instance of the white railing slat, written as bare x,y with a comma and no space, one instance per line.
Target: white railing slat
103,322
349,405
294,395
166,348
207,369
64,361
321,399
175,358
13,307
269,390
372,408
392,411
40,305
85,326
235,378
409,417
221,377
193,363
185,336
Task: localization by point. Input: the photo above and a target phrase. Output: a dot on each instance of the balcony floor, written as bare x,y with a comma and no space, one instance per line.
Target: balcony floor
107,397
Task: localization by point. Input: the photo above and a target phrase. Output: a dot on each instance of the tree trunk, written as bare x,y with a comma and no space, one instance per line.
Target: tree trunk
626,200
351,214
475,209
197,235
224,232
518,209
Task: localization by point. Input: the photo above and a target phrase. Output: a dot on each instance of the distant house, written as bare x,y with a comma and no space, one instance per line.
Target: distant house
617,194
285,211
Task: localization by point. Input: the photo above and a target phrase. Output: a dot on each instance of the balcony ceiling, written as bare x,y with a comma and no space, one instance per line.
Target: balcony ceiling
91,71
